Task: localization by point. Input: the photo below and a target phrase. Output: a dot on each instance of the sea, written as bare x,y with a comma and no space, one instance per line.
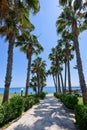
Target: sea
30,90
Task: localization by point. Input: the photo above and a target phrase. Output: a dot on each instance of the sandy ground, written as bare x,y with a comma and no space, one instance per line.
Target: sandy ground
50,114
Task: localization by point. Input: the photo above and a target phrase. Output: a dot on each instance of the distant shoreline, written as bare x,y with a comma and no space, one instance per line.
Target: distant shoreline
46,89
46,86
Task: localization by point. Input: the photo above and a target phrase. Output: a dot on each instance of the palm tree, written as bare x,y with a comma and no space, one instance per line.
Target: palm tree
67,49
5,5
17,19
30,45
33,83
10,30
56,58
69,19
43,78
39,69
52,71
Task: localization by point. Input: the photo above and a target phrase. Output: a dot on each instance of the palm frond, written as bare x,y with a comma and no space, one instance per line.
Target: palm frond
34,5
62,2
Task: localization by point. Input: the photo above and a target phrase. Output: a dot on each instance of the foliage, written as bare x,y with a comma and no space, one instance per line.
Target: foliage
57,95
1,114
69,100
17,105
80,101
36,100
28,103
42,95
7,112
81,116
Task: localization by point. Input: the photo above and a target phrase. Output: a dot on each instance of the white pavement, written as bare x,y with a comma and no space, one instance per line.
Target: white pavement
49,114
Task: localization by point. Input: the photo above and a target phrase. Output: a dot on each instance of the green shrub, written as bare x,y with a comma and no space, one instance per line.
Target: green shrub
57,95
60,96
42,95
63,97
81,116
36,100
17,106
7,112
70,101
1,115
28,103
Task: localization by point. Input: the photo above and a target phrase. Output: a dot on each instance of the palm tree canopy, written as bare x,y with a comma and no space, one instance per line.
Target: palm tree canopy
29,44
6,5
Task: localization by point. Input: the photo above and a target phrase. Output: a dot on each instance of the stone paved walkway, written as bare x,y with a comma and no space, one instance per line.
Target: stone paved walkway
50,114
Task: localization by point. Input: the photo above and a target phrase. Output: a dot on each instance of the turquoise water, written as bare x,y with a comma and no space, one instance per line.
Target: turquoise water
46,89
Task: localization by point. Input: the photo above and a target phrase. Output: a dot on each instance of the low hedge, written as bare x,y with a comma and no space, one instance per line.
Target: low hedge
7,112
81,116
1,114
69,100
42,95
15,106
57,95
29,102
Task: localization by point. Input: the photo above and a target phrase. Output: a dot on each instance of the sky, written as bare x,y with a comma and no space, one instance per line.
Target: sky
45,30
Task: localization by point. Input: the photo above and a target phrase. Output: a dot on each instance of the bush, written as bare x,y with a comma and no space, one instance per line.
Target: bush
17,106
1,115
69,100
13,109
28,103
57,95
36,100
81,116
7,112
42,95
63,97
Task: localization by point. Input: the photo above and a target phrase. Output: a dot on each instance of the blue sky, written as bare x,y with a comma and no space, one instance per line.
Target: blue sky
45,29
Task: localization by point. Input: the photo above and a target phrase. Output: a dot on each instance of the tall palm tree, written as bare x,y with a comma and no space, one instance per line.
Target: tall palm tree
10,30
33,83
69,19
30,45
55,57
52,71
17,19
38,69
67,49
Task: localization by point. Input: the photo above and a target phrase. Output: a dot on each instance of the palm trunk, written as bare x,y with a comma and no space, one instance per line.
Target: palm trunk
59,89
79,62
42,88
65,77
69,77
38,84
28,76
62,82
55,83
9,69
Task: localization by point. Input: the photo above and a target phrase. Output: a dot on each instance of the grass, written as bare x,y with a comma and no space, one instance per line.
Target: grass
80,102
10,96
